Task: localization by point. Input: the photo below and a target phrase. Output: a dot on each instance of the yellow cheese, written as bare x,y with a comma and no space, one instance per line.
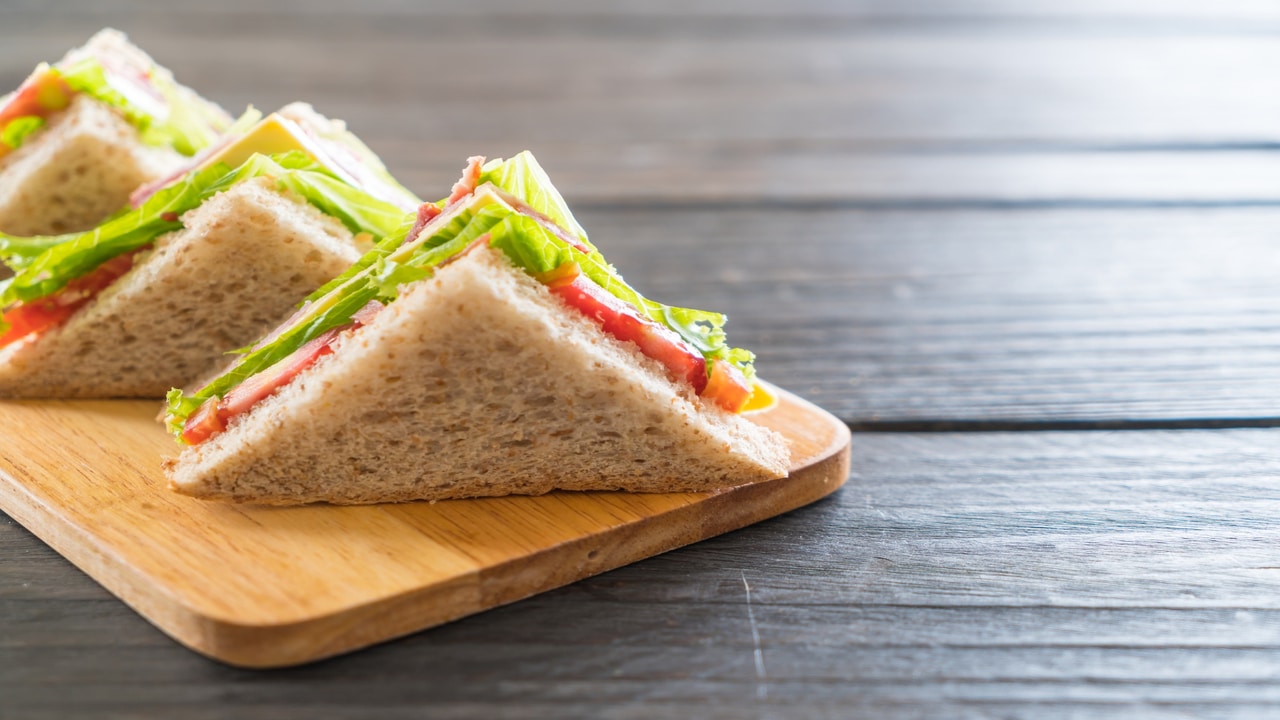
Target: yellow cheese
273,134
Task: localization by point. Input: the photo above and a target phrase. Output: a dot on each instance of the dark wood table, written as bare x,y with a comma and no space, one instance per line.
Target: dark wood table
1028,250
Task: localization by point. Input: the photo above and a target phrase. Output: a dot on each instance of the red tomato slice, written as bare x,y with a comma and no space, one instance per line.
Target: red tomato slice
204,423
622,321
47,312
42,97
34,317
727,387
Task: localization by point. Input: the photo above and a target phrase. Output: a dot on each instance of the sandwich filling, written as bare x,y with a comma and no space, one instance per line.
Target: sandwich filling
164,114
55,276
296,127
510,206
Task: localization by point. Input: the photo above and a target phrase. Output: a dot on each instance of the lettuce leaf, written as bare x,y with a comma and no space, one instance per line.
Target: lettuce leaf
192,124
68,257
189,125
359,211
523,177
19,129
19,252
399,260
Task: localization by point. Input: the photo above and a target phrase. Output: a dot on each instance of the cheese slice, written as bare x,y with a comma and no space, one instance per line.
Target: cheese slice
271,135
280,133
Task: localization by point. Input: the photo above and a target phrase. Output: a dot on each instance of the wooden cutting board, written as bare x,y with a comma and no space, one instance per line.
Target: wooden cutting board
266,587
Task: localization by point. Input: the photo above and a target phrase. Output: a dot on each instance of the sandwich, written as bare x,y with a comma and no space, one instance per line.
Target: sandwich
203,264
487,348
79,135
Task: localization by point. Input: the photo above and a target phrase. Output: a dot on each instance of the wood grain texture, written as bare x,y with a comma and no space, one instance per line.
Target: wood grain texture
628,103
994,213
264,587
956,575
937,315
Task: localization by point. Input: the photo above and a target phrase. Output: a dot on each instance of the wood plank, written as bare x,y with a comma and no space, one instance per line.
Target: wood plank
674,113
884,88
265,587
1060,574
731,175
1028,315
896,85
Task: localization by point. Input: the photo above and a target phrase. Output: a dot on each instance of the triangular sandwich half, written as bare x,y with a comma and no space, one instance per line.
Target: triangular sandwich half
158,295
78,136
489,350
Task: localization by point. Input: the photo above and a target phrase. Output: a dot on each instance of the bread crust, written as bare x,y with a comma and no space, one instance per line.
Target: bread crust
477,382
243,261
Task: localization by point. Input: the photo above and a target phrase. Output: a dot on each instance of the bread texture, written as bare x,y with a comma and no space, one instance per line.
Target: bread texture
241,264
477,382
76,171
83,165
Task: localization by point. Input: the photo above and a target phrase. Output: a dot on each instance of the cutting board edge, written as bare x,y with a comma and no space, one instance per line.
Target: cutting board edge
272,645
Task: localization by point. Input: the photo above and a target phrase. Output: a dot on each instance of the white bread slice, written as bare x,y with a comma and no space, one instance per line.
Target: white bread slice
243,261
477,382
76,171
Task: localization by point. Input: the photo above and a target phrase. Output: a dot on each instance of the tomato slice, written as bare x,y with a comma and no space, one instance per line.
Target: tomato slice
204,423
48,312
727,387
622,321
42,97
31,318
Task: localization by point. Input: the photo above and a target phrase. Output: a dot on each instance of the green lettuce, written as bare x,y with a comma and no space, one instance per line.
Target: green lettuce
19,129
40,273
399,260
191,124
351,155
524,178
19,252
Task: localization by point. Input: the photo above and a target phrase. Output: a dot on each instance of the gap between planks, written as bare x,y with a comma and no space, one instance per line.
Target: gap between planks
978,426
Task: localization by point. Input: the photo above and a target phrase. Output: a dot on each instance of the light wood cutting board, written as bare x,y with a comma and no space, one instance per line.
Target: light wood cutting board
266,587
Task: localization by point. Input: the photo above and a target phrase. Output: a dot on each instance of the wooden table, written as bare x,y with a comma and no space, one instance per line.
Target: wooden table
1028,250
